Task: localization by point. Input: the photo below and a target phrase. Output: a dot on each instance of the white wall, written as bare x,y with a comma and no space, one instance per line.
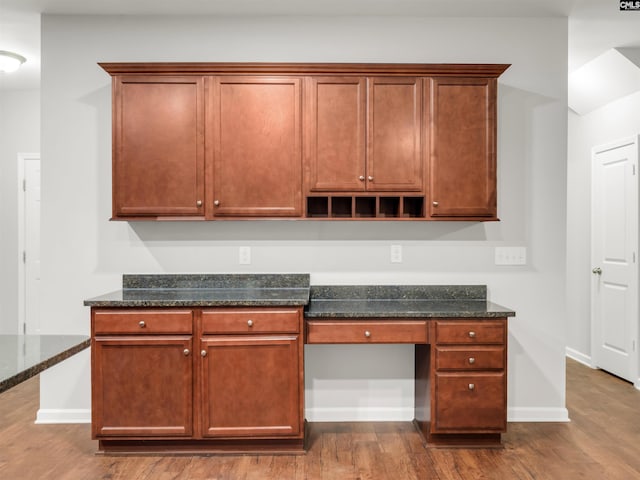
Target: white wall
618,119
19,133
84,254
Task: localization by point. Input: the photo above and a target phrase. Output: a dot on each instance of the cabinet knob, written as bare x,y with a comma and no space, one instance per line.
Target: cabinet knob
597,271
186,352
370,178
216,202
472,386
435,204
361,178
250,323
199,203
203,353
367,333
142,324
472,360
472,334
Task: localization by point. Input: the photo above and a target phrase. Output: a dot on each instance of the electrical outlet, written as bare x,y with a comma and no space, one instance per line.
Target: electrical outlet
396,253
511,256
244,255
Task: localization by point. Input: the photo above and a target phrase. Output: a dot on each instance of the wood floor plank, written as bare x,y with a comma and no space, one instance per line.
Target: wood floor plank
602,441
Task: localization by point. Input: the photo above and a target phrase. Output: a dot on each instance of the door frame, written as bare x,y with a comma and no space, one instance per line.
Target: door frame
635,359
22,321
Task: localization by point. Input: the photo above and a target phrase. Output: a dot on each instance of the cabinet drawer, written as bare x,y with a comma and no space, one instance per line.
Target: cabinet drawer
469,358
469,403
487,331
375,331
142,322
250,321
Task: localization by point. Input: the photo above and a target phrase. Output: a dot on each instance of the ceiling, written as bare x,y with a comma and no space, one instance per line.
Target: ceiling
595,26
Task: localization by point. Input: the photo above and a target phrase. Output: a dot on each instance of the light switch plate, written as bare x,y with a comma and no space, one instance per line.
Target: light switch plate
511,256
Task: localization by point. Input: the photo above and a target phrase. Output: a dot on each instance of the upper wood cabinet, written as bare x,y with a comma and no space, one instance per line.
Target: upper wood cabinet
158,146
303,140
463,148
364,134
257,149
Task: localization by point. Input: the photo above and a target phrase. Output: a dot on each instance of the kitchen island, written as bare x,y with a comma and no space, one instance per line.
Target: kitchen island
215,363
25,356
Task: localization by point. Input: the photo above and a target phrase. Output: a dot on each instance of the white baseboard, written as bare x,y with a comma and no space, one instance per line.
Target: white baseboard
537,414
514,414
359,414
70,415
579,357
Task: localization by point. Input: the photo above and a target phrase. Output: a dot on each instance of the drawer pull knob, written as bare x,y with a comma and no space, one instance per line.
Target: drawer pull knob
199,203
203,353
472,334
186,352
367,333
472,386
250,323
472,360
142,324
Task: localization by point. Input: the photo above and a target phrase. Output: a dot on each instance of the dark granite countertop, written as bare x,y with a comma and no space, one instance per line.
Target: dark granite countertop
24,356
331,301
402,301
207,291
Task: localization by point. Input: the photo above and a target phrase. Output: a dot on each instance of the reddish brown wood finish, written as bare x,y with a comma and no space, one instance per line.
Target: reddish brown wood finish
336,129
158,146
394,154
367,331
339,69
257,147
470,358
463,148
142,386
142,321
366,129
250,386
467,399
251,320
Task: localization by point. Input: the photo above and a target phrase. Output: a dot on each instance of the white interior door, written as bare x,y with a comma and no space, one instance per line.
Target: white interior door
614,258
29,240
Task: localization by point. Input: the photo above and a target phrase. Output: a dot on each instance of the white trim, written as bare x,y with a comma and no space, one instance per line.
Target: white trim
514,414
359,414
58,415
537,414
21,240
579,357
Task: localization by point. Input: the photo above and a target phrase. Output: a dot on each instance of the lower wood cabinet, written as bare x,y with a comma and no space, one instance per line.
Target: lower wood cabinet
142,386
241,389
465,375
250,386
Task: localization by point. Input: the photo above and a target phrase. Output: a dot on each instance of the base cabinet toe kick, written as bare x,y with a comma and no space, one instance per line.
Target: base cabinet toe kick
231,380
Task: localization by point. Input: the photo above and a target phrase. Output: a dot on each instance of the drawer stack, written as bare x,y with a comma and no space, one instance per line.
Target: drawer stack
469,394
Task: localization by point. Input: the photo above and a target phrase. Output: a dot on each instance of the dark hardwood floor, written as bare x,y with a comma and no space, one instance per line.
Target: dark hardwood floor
601,442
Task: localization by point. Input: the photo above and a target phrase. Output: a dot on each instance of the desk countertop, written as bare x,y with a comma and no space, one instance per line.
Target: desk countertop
24,356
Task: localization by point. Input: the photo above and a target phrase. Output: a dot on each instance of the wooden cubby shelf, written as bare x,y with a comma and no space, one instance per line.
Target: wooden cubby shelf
366,206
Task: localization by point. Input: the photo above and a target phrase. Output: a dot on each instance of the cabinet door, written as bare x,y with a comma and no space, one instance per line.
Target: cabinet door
158,156
336,120
463,143
257,146
251,386
142,386
394,159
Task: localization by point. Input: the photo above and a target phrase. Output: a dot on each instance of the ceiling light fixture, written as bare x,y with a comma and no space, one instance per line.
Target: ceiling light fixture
10,62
